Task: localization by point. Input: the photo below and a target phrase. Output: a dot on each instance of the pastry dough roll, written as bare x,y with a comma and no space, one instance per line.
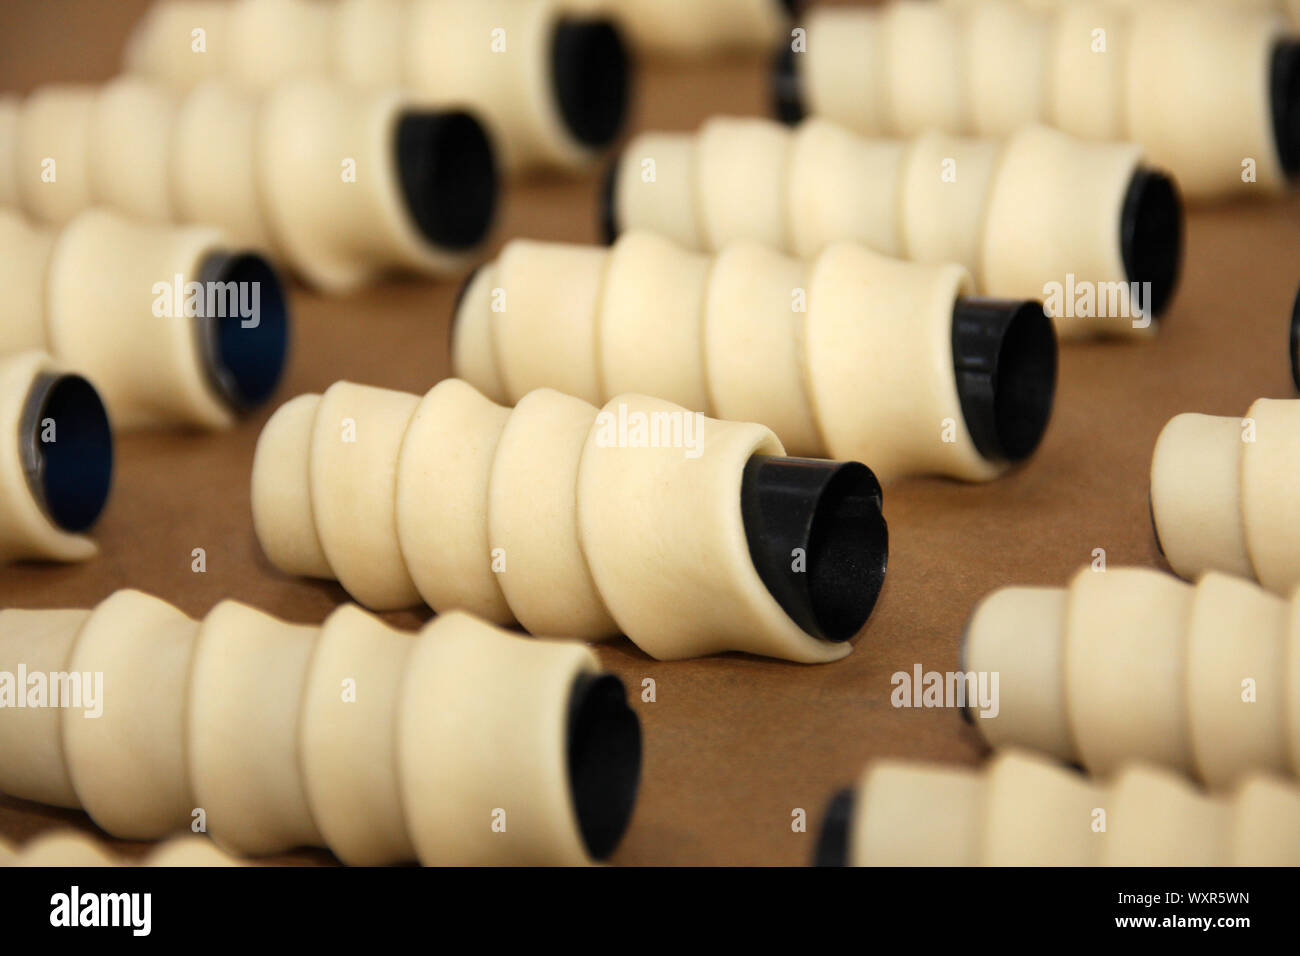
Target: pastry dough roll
281,490
924,64
27,249
944,191
417,212
553,90
269,41
843,187
1269,511
675,571
1019,634
1024,810
1088,48
482,737
753,331
33,646
878,339
544,330
1108,229
477,494
57,464
65,849
533,518
368,31
52,152
128,763
348,748
473,346
1196,495
1194,678
1265,823
1237,633
653,186
1040,212
169,324
922,815
1153,817
741,168
180,43
356,438
1004,99
1126,660
444,468
380,745
805,333
245,696
1197,95
695,29
1034,815
219,186
844,69
190,851
640,351
1211,94
129,147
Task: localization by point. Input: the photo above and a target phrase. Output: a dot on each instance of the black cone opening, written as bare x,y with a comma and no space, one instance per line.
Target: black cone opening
833,841
1151,237
606,205
67,449
604,754
243,327
817,539
1295,340
1004,356
787,87
1284,93
591,76
448,173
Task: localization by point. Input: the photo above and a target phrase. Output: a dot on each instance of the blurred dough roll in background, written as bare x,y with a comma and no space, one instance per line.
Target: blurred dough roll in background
1208,90
551,88
340,184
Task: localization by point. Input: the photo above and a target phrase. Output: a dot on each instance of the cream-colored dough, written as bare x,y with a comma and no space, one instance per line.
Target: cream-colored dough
693,29
1024,810
70,848
339,234
51,152
1020,213
382,746
741,168
1224,494
639,351
24,254
100,318
539,322
443,53
848,357
444,469
277,182
916,816
1129,664
525,514
26,531
356,438
1189,84
657,188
